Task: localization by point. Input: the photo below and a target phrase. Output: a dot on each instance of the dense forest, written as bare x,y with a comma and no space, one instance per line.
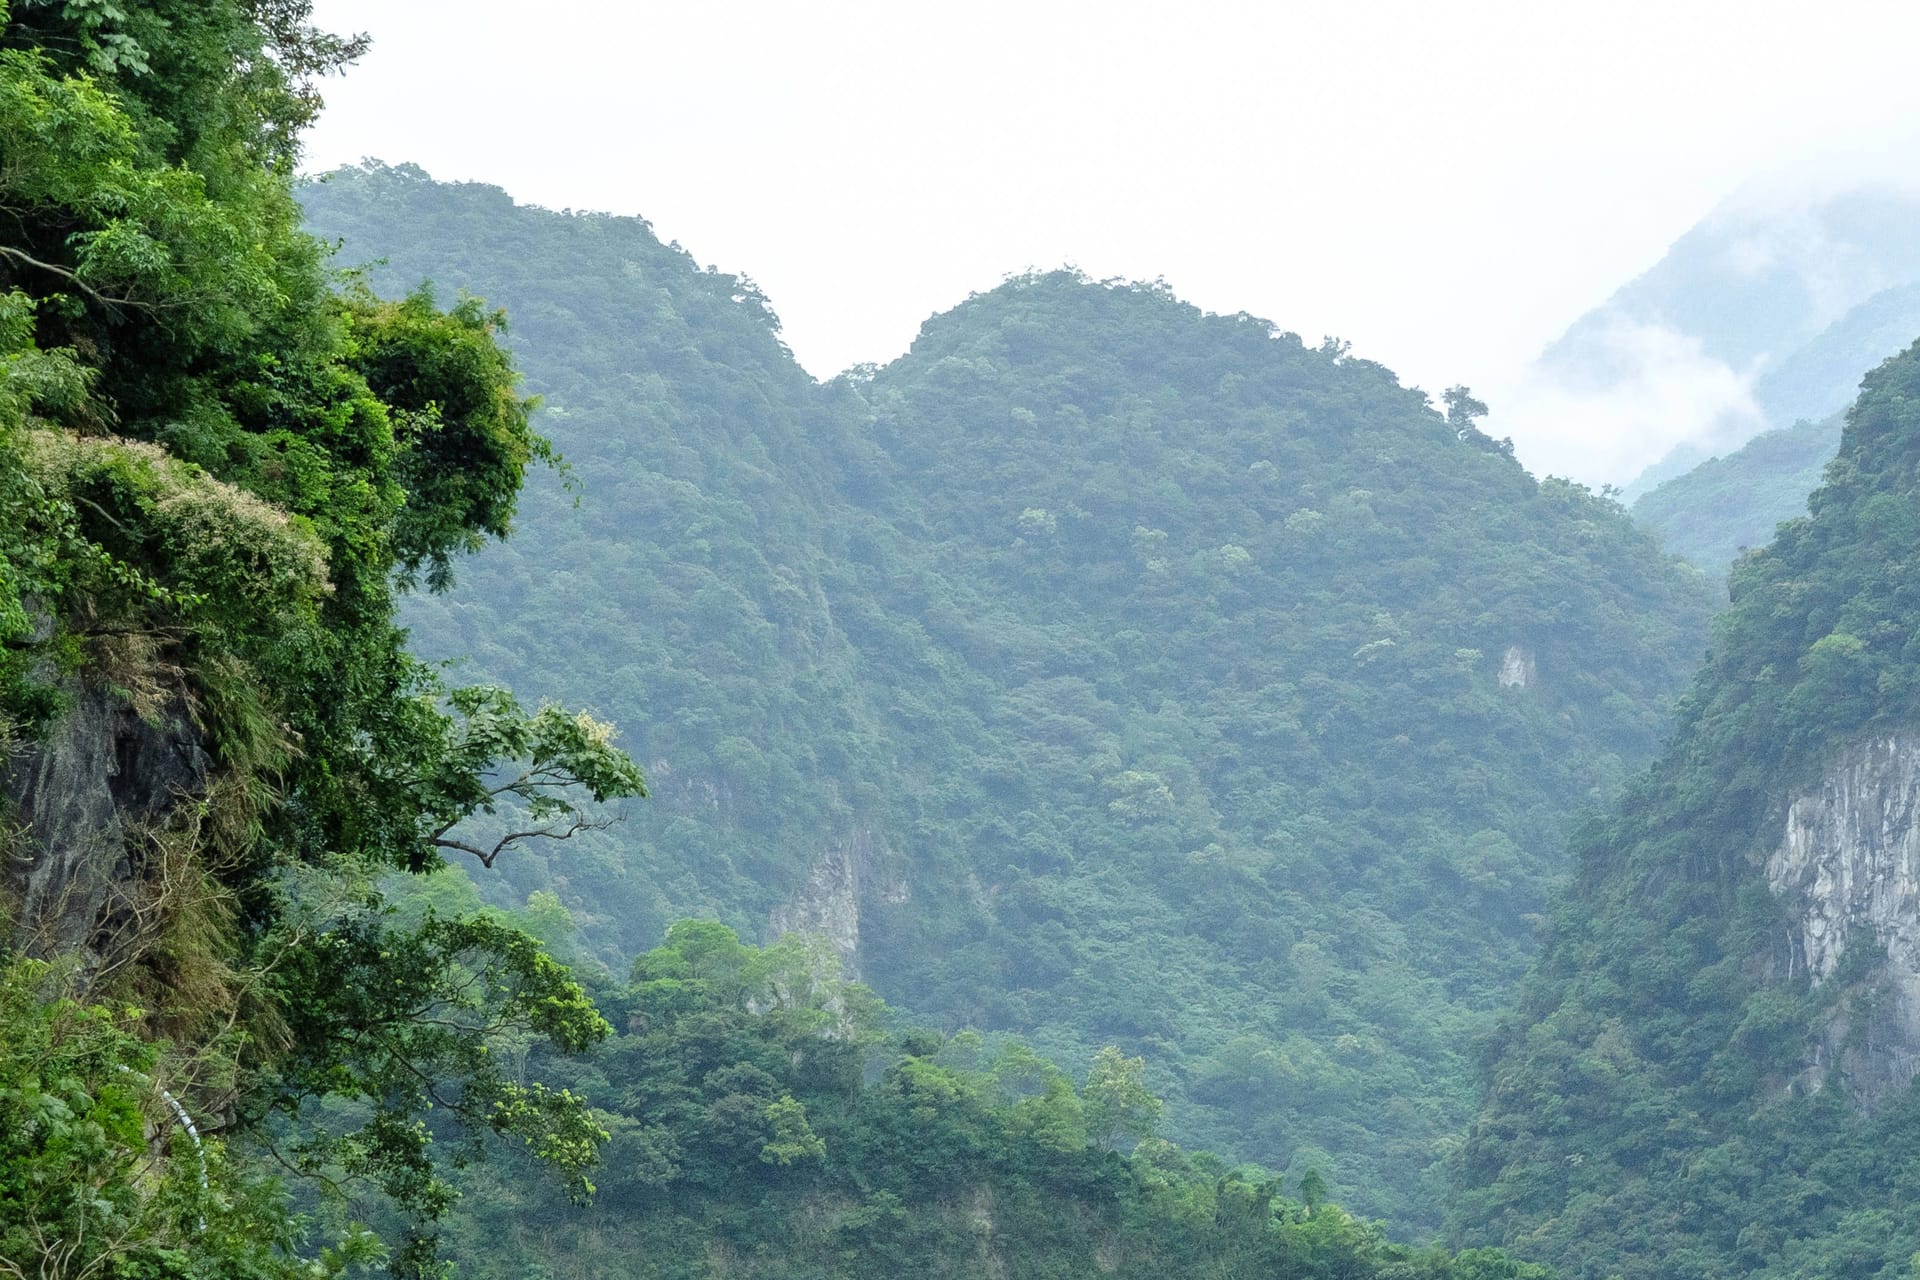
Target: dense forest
1101,672
1692,1087
252,1024
769,1119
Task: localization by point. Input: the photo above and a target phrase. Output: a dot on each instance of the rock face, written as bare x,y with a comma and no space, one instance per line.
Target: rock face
849,874
81,797
1517,669
1848,870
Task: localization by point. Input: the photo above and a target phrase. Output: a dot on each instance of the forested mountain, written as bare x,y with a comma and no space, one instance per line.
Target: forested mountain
1101,671
1711,513
237,978
1709,1072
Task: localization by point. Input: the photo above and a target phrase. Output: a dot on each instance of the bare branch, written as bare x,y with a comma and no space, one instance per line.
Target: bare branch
581,822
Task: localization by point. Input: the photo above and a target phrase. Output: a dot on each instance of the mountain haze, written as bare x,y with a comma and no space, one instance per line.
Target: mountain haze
1763,314
1761,276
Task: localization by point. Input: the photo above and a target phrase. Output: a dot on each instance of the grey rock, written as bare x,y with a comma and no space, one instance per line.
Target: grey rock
851,874
1847,868
80,795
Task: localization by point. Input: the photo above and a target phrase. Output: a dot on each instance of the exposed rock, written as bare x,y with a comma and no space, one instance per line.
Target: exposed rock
851,873
1516,668
689,793
1848,870
80,795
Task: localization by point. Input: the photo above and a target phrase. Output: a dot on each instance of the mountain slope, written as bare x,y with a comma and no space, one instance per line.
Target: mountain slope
671,579
1101,671
1709,1075
1821,378
1724,505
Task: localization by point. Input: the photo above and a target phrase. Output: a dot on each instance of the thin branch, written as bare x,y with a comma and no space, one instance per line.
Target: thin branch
487,856
111,304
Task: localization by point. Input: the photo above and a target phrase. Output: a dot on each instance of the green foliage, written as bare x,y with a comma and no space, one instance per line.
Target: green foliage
408,1019
86,1192
216,471
460,429
1725,505
1147,661
1649,1112
1117,1103
766,1121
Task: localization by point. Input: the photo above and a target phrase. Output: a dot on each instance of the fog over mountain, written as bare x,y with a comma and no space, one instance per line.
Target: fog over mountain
1764,313
1446,187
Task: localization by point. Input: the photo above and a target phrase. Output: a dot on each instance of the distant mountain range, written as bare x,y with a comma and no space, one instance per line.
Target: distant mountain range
1757,325
1757,280
1763,315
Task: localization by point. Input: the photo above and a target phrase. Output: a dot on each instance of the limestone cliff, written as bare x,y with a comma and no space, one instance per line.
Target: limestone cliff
853,872
1517,668
1847,869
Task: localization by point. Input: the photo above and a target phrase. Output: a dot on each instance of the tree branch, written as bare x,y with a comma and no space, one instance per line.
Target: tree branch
581,822
111,304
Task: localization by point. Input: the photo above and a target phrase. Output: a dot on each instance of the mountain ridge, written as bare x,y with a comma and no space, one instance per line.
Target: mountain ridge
1710,1054
1092,612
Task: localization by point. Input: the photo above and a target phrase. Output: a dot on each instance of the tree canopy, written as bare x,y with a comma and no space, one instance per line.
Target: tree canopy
220,461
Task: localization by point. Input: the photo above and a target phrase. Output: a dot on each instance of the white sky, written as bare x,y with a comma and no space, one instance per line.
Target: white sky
1445,185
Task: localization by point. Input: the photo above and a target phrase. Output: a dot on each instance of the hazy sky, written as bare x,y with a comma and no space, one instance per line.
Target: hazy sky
1445,185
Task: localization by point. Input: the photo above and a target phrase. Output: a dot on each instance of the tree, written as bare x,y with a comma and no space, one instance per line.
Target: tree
1116,1101
492,753
1463,411
219,463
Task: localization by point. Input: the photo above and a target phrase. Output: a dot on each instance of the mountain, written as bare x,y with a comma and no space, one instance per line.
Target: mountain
1724,505
1758,279
1760,316
246,1004
1709,510
1102,671
1819,379
1709,1074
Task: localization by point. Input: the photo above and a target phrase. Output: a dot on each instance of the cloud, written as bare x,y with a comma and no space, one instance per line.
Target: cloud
1661,391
